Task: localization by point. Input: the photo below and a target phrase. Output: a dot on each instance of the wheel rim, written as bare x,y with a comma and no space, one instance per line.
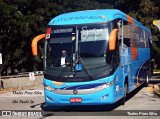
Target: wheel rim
147,78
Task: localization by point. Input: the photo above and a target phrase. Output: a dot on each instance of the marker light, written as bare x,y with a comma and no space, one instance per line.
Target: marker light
48,33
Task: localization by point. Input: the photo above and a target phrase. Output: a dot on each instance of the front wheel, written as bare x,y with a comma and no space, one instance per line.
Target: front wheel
123,100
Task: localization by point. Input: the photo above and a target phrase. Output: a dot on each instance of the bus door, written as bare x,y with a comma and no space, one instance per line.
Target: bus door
126,55
134,55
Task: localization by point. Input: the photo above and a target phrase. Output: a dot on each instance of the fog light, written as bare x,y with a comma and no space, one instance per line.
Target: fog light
49,98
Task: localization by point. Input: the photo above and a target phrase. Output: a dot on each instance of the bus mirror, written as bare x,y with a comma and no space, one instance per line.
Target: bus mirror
34,43
112,39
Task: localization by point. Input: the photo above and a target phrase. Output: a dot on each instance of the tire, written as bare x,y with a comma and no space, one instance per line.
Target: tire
147,80
123,100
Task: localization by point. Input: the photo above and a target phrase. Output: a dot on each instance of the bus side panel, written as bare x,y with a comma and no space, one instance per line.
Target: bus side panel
134,69
144,65
138,67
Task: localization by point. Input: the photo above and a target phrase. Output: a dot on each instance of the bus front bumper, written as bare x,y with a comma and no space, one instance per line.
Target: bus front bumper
105,96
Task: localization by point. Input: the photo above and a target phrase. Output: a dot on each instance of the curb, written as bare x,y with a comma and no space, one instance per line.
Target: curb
156,72
20,82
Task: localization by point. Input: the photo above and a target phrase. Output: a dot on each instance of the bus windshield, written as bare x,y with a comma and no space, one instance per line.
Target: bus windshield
90,42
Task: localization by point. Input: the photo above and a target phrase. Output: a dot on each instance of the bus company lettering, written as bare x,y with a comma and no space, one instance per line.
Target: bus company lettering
78,18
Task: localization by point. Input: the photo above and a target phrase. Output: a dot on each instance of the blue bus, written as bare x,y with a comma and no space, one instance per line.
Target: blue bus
94,57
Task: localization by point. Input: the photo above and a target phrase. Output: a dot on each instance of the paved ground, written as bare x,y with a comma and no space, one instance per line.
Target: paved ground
137,102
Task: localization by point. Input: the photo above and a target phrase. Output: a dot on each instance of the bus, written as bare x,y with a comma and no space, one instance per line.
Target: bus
94,57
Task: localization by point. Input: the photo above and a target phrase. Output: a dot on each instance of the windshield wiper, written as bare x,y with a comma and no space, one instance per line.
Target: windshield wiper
85,68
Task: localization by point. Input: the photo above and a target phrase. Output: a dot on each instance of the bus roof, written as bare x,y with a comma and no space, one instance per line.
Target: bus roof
92,16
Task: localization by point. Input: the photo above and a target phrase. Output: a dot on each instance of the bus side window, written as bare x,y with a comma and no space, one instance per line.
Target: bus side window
109,56
147,38
126,37
126,34
116,52
112,57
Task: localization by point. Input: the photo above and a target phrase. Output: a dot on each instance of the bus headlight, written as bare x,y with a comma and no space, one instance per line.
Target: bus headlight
107,85
49,88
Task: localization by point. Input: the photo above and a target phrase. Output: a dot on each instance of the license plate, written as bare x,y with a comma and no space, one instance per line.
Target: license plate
75,100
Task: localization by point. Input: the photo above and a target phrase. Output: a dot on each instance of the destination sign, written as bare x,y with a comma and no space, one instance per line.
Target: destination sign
67,30
94,34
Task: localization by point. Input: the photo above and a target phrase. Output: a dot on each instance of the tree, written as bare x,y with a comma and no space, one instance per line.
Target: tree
144,11
22,20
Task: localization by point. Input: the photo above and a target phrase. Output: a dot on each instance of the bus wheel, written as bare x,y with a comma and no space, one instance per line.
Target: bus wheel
147,80
122,101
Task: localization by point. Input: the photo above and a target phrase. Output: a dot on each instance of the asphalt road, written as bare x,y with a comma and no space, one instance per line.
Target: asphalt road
33,99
